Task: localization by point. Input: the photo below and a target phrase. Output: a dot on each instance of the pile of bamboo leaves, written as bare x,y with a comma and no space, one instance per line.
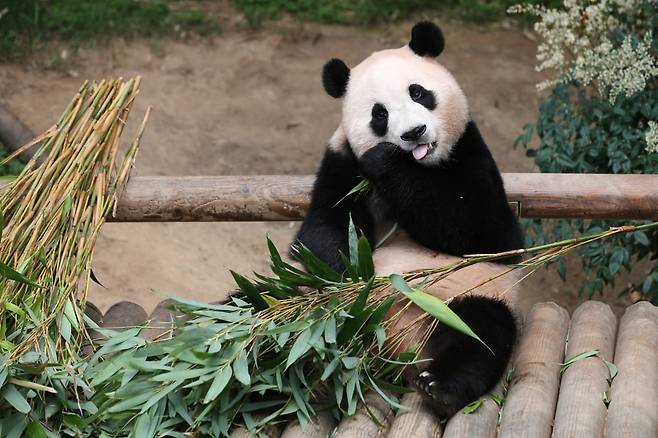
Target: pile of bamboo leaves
51,215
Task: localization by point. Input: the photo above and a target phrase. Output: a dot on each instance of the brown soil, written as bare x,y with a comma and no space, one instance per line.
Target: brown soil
250,102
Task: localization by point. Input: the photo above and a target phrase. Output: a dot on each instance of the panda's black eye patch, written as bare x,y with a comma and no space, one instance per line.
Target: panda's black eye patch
379,120
421,95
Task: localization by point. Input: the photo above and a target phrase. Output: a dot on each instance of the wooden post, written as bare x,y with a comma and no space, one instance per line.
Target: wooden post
530,403
14,133
482,423
633,410
320,426
285,198
580,409
361,425
418,422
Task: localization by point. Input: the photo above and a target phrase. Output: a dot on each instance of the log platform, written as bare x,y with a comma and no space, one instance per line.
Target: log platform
612,393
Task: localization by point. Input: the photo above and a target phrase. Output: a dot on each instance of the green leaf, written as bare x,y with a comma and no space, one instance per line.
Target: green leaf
350,362
330,331
329,369
353,240
473,406
564,366
612,369
222,378
299,348
35,430
250,291
366,265
362,186
11,274
241,369
434,306
15,398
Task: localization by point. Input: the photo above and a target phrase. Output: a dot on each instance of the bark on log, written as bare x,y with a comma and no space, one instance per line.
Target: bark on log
285,198
418,422
531,400
633,410
580,409
14,133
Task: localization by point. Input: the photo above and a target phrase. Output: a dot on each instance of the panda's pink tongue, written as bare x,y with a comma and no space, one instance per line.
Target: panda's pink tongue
420,151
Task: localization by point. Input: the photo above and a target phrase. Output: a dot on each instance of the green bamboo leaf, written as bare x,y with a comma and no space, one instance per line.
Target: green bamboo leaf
353,241
181,374
7,272
612,369
35,430
366,265
241,369
473,406
250,291
299,348
362,186
564,366
222,378
330,331
15,398
329,369
351,270
434,306
350,362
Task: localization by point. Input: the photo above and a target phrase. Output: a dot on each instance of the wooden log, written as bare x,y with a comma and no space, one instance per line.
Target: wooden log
580,409
124,314
284,198
482,423
418,422
14,133
160,322
532,396
633,409
361,425
320,427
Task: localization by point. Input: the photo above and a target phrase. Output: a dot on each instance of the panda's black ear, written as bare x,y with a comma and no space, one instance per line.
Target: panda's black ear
335,75
426,39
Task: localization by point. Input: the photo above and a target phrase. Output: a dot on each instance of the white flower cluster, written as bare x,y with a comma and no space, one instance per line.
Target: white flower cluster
651,137
576,45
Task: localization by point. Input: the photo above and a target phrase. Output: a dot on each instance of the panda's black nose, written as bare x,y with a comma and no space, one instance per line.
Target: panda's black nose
414,134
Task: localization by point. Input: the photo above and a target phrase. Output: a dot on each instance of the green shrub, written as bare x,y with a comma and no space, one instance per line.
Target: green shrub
599,118
26,23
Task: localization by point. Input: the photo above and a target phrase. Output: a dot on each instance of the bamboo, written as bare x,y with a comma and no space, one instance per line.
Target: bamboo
418,422
633,409
530,404
580,409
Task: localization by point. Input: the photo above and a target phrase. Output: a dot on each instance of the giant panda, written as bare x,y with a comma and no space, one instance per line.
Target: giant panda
407,129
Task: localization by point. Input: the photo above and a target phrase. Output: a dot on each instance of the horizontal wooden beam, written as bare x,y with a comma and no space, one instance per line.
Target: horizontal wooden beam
285,198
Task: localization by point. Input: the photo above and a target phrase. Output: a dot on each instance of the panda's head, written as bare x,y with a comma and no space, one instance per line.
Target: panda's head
400,96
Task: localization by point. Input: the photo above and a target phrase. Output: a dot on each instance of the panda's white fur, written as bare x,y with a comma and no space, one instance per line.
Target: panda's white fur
384,77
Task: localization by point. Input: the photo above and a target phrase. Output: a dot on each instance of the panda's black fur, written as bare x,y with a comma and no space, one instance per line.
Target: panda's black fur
457,207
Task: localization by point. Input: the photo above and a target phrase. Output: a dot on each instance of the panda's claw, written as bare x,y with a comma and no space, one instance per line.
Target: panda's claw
425,382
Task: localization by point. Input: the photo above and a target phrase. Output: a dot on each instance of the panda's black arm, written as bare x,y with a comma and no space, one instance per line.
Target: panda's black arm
325,227
458,207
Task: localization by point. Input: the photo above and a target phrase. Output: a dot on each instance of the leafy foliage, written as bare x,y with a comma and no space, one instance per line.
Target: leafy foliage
581,130
25,24
581,133
373,11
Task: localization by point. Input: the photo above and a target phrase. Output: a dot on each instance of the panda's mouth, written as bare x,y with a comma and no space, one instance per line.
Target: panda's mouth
421,150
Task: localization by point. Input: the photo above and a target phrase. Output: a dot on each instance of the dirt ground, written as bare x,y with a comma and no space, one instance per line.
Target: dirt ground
251,102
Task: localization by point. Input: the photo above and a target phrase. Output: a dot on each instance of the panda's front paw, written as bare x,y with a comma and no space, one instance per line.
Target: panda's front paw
424,382
439,399
377,162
